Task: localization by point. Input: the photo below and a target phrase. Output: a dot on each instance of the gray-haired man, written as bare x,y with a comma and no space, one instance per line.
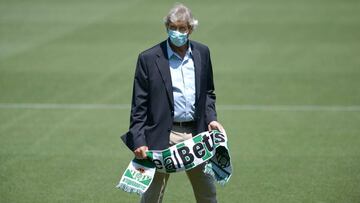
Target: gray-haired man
173,100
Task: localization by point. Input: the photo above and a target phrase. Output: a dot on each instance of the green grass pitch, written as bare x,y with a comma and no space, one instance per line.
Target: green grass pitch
287,77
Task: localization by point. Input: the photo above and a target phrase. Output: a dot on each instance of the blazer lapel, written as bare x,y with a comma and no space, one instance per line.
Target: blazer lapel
162,64
197,63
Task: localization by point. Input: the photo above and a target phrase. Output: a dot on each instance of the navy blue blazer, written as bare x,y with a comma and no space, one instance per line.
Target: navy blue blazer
152,107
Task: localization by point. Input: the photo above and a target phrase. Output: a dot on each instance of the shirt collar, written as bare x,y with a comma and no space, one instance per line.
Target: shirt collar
171,52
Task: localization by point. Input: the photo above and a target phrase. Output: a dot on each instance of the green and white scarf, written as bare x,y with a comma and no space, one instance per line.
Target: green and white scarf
210,147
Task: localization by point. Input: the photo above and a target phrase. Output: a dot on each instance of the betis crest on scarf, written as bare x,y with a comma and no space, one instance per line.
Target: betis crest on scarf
210,147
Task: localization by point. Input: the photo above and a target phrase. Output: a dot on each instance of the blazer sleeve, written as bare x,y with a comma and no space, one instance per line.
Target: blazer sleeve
135,137
210,93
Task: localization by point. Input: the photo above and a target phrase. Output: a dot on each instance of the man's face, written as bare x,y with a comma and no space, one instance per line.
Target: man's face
180,26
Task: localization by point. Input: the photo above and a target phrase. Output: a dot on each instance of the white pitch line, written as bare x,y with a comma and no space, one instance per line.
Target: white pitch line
233,107
63,106
288,108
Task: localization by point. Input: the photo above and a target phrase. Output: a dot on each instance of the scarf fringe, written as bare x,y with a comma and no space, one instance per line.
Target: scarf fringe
210,171
128,189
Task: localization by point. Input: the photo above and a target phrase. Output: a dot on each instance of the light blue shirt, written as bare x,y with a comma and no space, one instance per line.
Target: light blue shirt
183,82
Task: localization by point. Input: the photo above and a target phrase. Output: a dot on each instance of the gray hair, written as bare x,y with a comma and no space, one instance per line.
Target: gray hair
181,13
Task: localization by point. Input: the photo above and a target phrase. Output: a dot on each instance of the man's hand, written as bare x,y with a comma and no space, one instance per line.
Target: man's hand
214,125
140,152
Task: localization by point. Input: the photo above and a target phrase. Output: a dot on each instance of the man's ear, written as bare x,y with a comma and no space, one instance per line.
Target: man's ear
190,30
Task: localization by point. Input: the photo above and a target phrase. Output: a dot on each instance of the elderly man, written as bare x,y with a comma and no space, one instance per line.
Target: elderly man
173,100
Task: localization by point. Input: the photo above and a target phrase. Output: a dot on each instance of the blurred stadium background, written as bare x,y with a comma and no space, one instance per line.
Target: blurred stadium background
287,78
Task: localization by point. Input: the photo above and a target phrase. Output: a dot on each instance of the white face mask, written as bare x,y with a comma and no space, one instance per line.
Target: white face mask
177,38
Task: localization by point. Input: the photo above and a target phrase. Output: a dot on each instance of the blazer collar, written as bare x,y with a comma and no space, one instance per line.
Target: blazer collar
162,63
197,62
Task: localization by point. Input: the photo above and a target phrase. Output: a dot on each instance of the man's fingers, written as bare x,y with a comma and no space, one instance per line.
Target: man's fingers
140,153
143,154
216,126
137,154
221,128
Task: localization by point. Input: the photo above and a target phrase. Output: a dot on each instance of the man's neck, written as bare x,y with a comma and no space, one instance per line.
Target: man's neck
181,51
